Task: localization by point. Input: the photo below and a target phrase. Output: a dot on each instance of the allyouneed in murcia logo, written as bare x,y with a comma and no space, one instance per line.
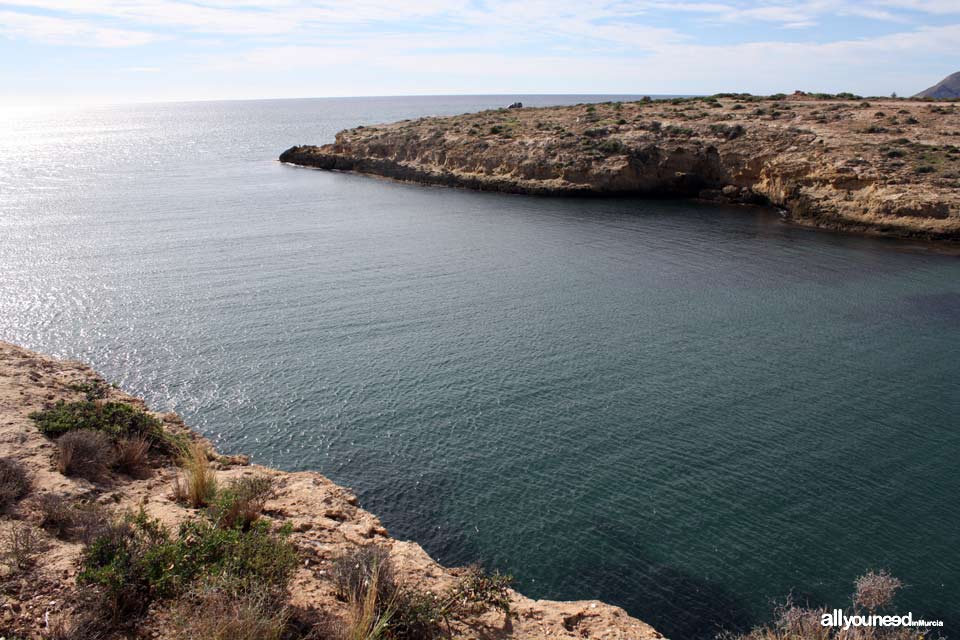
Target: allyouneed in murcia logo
837,618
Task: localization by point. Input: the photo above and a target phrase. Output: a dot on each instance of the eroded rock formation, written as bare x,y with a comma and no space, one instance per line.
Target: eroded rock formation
889,167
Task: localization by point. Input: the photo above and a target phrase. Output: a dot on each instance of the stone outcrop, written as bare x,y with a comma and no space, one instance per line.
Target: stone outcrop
887,167
326,520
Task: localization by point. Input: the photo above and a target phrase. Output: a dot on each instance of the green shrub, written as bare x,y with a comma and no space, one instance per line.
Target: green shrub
729,132
137,560
116,561
611,147
117,420
93,389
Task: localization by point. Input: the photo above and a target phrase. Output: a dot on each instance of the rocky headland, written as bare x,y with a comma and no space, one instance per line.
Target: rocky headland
878,166
56,537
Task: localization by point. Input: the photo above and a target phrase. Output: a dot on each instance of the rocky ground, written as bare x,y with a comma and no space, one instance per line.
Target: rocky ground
325,519
878,166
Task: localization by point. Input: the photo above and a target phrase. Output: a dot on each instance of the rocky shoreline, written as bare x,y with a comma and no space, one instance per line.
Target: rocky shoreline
886,167
323,518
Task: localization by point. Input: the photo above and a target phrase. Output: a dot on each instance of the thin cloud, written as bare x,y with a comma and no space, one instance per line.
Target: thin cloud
59,31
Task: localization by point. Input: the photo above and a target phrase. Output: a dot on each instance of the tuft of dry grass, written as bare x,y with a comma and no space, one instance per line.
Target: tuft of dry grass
198,487
364,578
367,617
14,482
85,454
218,610
132,456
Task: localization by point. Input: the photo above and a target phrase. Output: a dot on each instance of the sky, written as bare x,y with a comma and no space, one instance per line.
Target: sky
74,51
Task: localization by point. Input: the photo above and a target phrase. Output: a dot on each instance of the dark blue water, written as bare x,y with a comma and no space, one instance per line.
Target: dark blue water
685,410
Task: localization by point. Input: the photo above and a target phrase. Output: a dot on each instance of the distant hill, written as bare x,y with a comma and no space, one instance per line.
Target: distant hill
949,87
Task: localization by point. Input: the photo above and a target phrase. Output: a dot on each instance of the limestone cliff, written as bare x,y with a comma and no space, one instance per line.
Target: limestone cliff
888,167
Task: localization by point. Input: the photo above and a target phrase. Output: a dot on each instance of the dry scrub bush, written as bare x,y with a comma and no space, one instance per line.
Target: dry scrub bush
85,454
20,546
86,619
874,591
221,609
14,482
198,487
72,520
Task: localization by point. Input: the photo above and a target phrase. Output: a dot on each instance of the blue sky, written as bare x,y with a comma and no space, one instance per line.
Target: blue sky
67,51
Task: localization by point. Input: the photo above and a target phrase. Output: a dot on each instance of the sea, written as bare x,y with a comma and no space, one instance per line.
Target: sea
689,410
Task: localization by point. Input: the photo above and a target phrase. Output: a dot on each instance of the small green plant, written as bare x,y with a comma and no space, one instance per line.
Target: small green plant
14,482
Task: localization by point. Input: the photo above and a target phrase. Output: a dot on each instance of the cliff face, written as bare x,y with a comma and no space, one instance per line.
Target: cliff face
886,167
325,518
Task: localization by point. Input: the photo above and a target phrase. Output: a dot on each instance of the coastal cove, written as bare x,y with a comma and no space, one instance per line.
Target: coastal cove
683,409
